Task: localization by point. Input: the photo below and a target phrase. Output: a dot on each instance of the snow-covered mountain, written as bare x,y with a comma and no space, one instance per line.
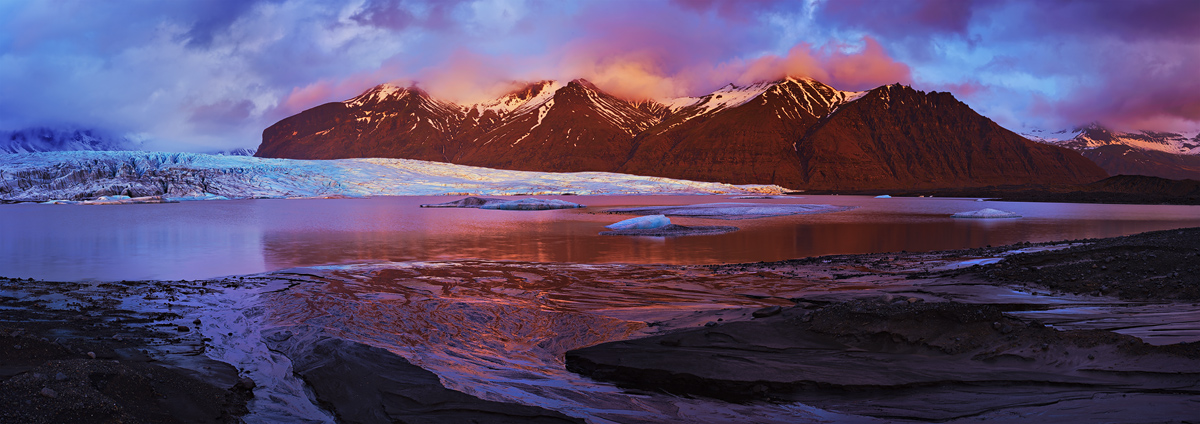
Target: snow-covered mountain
1154,153
87,175
46,139
755,134
1095,135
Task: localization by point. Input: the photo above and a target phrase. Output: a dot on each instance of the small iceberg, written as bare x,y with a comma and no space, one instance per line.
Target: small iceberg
647,222
200,197
883,196
469,202
532,205
986,213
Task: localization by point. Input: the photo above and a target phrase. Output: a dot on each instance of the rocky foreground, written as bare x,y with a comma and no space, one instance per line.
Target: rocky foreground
955,351
1073,331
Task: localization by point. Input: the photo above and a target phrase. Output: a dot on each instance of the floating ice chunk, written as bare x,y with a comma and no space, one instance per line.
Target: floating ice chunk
764,197
978,200
883,196
986,213
201,196
641,223
111,198
532,205
469,202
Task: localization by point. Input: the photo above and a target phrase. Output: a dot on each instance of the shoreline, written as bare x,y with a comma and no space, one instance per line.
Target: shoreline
1001,281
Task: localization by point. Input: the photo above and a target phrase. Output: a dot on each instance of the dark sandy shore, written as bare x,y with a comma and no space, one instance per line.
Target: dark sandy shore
955,351
77,363
1032,332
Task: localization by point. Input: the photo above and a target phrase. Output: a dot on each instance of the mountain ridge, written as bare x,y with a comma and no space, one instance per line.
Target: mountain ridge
1164,154
751,134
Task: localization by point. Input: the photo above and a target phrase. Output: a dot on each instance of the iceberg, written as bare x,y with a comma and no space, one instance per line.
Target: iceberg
469,202
531,205
986,213
647,222
883,196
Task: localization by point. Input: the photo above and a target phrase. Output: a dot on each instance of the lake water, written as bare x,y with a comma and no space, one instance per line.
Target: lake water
194,240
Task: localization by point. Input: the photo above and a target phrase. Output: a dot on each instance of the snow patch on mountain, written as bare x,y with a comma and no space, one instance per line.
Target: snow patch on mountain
1093,136
89,175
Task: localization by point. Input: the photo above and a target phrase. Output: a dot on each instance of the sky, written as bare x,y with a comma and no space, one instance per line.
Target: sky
202,75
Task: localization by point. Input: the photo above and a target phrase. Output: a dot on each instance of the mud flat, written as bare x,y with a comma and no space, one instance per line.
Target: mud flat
1013,333
63,361
995,334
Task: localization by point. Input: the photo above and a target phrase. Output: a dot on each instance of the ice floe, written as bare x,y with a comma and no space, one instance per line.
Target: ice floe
531,205
883,196
986,213
641,223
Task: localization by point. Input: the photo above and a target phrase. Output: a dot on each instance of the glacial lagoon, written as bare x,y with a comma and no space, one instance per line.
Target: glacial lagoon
206,239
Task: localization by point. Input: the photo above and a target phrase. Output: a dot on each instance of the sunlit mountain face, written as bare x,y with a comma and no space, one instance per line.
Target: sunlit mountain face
795,132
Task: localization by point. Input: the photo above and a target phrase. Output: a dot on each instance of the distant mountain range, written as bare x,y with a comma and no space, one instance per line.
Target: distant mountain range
46,139
797,133
72,138
1153,153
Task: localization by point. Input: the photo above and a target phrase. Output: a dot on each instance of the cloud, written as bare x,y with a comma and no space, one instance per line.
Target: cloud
865,69
213,74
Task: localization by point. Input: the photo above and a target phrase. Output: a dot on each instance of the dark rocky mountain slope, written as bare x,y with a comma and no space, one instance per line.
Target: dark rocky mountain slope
798,133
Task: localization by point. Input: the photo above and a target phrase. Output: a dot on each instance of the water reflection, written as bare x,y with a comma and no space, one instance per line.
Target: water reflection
207,239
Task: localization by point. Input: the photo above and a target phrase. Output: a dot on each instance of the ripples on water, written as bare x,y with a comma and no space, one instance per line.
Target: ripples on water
498,330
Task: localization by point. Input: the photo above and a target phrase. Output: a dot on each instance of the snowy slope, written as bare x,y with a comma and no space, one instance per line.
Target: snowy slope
87,175
44,139
1093,136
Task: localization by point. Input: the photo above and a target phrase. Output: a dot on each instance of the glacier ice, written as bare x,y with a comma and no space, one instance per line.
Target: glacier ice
986,213
86,175
468,202
641,223
531,205
883,196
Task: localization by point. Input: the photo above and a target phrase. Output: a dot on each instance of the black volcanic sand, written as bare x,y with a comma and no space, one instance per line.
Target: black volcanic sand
1118,189
673,230
901,360
365,384
1161,265
868,352
90,365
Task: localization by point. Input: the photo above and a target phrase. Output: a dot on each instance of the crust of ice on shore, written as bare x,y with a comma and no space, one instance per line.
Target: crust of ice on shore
86,175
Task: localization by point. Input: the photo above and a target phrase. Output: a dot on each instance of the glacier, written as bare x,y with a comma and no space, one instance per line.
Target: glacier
87,175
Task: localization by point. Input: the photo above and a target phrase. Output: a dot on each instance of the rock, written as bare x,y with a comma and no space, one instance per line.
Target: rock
48,392
60,376
91,355
245,383
767,311
182,329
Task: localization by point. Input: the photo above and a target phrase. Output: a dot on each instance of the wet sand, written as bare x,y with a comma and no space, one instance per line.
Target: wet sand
961,335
